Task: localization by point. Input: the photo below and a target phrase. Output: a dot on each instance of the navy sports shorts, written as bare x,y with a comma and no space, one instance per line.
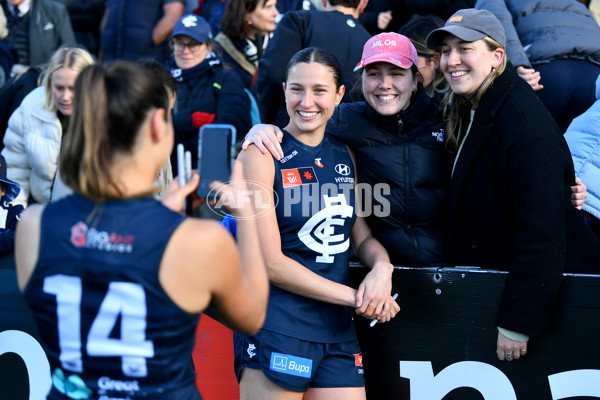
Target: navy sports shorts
299,364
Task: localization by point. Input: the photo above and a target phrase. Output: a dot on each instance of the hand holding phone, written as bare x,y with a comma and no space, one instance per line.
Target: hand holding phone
216,154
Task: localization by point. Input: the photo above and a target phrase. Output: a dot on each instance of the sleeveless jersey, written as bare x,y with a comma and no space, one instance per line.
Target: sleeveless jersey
315,213
107,326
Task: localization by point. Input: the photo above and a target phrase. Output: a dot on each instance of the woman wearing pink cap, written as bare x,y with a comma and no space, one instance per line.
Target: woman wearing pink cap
397,135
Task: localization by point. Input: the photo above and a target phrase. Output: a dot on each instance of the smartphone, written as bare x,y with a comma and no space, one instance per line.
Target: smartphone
216,154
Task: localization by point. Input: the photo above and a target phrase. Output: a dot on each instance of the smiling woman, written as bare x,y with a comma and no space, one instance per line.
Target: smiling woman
509,200
306,245
206,92
34,135
246,28
397,136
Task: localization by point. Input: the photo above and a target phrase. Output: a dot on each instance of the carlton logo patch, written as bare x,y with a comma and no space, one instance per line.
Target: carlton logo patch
298,176
189,21
458,18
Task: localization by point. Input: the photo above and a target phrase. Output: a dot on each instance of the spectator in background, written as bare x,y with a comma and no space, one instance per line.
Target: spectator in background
416,29
246,29
337,30
212,12
295,5
390,15
36,29
207,93
7,59
583,138
33,138
12,94
86,16
555,47
132,30
509,202
9,214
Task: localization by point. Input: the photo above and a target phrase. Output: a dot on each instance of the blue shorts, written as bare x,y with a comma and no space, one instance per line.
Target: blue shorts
299,364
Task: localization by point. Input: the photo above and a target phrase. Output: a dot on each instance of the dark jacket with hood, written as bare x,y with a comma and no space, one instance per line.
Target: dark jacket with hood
207,93
406,152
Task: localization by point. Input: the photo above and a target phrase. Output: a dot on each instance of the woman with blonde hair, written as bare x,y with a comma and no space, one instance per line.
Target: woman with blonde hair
33,138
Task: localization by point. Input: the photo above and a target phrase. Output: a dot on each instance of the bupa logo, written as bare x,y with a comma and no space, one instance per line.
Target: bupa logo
189,21
387,42
342,169
291,365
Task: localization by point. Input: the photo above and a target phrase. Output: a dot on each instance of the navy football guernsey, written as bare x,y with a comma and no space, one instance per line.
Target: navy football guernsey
107,326
315,213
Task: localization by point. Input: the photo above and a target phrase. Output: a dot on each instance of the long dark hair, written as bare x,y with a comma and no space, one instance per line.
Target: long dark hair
318,55
233,23
111,102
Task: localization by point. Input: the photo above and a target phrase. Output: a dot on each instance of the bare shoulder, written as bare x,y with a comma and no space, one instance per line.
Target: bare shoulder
27,242
253,153
196,260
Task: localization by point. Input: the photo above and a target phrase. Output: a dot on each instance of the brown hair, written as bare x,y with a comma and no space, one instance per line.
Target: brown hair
233,23
111,102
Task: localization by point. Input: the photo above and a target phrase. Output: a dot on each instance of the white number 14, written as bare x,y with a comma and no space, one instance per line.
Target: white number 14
122,298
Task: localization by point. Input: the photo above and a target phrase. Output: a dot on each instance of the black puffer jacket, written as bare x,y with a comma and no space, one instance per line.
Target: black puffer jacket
407,153
207,93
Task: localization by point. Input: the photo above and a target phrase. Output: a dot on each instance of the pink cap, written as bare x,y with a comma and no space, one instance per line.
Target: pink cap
389,47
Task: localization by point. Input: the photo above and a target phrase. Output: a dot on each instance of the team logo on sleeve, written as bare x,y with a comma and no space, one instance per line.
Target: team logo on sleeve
298,176
318,232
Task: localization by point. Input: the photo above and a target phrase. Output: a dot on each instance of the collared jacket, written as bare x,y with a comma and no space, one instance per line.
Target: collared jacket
49,28
509,204
401,164
583,138
207,93
32,148
539,31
